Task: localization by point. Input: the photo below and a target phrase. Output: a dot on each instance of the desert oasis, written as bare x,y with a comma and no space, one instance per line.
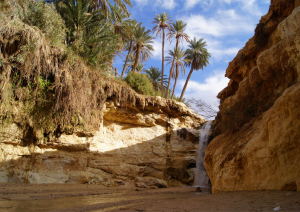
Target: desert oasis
80,133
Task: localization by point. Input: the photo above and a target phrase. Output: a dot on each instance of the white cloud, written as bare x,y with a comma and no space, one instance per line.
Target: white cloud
218,53
141,3
169,5
225,22
157,49
206,91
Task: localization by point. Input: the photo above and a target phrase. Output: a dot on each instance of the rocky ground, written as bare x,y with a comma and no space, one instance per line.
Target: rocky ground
85,197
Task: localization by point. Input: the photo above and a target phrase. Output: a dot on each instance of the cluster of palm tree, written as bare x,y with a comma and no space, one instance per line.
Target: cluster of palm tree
195,57
98,31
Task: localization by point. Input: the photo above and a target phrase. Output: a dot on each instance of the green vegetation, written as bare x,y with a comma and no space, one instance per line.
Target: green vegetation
198,58
154,74
140,83
180,60
55,64
163,22
142,45
47,20
177,30
56,61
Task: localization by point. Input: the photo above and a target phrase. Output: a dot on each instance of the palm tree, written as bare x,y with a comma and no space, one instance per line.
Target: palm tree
180,60
87,33
198,56
119,22
163,22
140,68
130,63
154,74
101,4
128,47
142,45
177,31
120,25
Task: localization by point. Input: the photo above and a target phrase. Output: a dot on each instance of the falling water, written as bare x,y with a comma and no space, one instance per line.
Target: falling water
201,177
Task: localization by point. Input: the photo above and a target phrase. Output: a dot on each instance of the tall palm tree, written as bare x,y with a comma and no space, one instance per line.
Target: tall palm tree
163,21
180,60
142,45
128,47
120,25
177,30
198,56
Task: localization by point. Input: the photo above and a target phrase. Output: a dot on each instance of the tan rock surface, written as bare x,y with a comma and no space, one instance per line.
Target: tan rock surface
258,142
154,145
264,154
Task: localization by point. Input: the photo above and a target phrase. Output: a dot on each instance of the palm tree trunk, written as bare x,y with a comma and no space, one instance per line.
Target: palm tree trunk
171,70
186,82
137,58
176,77
162,65
130,46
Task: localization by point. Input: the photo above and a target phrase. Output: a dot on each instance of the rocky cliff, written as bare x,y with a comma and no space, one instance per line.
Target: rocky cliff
257,143
153,145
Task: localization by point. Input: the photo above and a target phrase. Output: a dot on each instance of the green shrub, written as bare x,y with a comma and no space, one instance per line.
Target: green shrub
140,83
45,17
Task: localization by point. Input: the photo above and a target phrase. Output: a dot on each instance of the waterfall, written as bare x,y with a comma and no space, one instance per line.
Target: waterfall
201,177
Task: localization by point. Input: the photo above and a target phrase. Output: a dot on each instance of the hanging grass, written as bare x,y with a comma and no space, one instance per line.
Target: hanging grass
47,87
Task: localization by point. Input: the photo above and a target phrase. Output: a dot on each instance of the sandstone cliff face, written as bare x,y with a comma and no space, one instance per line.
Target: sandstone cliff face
154,146
258,145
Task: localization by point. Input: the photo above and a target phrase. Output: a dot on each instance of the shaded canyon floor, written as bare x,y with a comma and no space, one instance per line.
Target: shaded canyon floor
85,197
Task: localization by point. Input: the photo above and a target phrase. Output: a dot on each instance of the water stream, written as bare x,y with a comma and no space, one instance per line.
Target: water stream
201,177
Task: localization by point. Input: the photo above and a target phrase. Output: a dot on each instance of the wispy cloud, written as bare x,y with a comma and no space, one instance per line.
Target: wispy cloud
206,91
169,5
223,23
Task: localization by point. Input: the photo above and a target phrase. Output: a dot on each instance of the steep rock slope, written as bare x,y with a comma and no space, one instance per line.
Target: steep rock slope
150,146
258,142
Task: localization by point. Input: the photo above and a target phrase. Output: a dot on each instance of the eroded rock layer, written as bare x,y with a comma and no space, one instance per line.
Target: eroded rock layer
258,127
154,146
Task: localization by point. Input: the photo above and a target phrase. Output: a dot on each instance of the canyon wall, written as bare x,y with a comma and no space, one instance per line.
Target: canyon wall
257,131
151,146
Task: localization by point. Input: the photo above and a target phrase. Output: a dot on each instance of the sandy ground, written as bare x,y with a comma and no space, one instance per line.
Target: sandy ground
71,197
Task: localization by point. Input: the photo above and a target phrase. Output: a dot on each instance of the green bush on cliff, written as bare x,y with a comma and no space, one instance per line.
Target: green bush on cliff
140,83
46,18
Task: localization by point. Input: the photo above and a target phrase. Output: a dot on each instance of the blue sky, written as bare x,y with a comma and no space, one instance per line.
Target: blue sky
226,25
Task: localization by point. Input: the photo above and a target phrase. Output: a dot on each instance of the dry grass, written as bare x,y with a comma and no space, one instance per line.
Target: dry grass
46,87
